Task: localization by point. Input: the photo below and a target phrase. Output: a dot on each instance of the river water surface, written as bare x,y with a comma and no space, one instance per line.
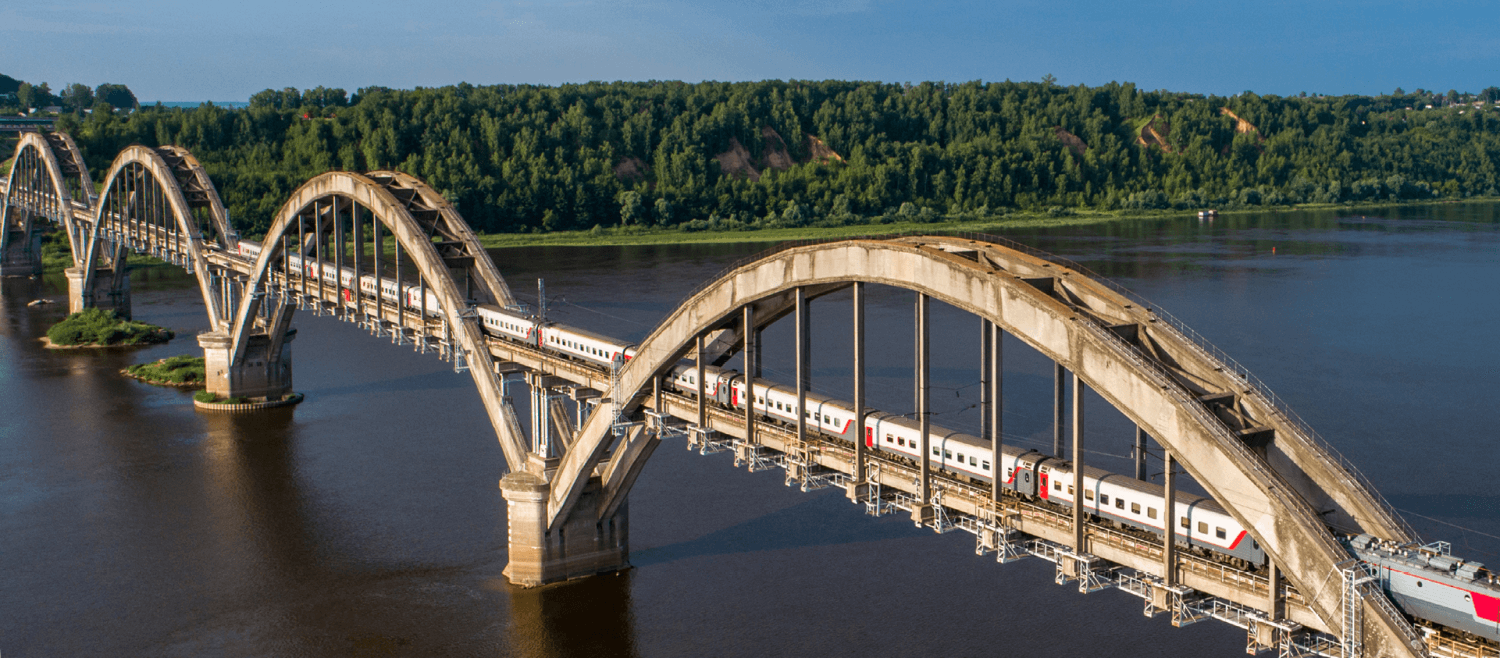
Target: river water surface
368,522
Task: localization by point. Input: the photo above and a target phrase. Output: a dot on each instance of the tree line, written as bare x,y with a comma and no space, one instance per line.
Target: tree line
789,153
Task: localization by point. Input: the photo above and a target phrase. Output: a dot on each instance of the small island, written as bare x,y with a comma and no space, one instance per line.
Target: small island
95,327
183,371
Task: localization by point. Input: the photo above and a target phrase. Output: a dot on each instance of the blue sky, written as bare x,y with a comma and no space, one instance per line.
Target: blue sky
177,50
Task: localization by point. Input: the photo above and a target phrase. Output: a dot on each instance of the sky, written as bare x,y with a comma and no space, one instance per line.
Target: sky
192,51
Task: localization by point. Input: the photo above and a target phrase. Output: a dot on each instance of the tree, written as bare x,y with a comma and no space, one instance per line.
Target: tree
37,96
77,97
631,209
663,212
118,96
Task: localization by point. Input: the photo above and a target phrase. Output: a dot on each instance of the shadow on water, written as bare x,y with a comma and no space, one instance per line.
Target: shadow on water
824,520
587,617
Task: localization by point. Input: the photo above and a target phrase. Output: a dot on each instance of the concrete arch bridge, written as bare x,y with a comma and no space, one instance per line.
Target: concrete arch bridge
568,484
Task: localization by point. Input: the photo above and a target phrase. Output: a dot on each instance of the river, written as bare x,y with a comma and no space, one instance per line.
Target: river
367,521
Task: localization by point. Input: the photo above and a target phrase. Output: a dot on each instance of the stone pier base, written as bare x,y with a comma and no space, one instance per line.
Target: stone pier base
579,547
23,255
104,295
265,370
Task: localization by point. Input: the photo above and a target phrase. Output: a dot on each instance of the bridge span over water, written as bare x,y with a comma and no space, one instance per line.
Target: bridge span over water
568,484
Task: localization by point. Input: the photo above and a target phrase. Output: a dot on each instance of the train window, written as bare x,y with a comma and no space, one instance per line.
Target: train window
972,460
984,465
1186,523
946,454
1219,532
1104,499
1150,512
960,458
1202,528
900,441
1057,485
1088,494
1119,503
887,438
934,450
1135,508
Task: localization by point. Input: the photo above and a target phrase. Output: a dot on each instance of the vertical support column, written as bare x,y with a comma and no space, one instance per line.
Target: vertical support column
1275,606
923,513
359,270
702,387
802,369
338,257
985,364
755,368
1140,454
752,354
997,407
1078,499
859,488
1058,377
1169,538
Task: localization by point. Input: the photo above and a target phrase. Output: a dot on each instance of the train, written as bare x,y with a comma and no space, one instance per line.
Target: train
1431,586
513,325
1427,585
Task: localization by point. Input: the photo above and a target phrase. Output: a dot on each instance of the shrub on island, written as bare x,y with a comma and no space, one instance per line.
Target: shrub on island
100,327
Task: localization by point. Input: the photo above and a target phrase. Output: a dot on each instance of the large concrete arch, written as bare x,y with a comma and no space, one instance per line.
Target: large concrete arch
71,161
60,201
190,237
376,193
199,190
1141,365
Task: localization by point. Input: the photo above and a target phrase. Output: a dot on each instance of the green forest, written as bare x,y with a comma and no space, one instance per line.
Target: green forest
523,158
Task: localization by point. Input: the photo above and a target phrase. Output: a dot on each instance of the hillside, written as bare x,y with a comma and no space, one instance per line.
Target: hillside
517,158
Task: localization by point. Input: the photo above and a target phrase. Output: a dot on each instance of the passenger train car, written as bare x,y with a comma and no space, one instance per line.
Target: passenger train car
496,321
1199,522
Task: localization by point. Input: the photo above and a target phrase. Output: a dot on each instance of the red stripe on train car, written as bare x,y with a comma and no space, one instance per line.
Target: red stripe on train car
1237,540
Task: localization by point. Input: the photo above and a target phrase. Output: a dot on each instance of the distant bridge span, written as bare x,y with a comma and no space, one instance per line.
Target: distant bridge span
1258,461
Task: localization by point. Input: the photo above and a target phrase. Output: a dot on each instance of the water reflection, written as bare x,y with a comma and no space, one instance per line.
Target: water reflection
588,617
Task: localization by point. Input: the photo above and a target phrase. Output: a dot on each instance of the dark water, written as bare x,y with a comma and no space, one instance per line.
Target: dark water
367,521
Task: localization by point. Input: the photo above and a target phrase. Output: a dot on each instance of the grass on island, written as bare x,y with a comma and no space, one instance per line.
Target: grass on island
100,327
183,370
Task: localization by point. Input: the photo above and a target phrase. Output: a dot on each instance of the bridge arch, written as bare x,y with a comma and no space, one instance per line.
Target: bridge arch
1143,366
38,186
145,208
431,235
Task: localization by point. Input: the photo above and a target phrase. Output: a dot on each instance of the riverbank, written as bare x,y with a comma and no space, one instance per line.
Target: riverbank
860,226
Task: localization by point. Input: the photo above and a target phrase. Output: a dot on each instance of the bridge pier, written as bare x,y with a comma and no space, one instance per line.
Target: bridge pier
107,289
580,547
23,254
265,370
